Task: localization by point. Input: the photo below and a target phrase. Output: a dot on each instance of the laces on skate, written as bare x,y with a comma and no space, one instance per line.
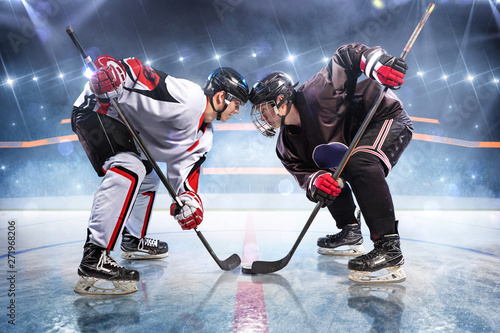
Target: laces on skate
145,242
144,248
105,259
107,277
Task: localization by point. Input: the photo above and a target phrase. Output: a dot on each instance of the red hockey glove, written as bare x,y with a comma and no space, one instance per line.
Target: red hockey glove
322,187
386,69
190,215
107,81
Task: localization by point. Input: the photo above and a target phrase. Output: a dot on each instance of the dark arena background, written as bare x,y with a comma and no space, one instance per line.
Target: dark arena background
446,186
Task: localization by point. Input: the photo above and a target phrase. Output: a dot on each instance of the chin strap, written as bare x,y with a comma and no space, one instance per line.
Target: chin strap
286,114
289,101
219,113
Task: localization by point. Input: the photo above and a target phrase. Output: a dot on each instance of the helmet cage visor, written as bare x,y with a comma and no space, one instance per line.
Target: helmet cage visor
264,117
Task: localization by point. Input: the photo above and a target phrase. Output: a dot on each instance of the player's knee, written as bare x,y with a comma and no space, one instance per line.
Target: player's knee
364,165
129,161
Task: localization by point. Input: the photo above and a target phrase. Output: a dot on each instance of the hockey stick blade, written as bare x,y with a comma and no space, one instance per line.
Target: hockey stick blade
266,267
228,264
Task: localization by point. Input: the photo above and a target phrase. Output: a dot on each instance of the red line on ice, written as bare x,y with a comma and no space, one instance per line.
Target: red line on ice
250,309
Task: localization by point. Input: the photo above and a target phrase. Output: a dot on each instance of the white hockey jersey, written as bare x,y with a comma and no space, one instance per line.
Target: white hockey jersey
167,113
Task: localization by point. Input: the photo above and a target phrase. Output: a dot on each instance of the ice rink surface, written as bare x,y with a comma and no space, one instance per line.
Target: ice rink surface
452,267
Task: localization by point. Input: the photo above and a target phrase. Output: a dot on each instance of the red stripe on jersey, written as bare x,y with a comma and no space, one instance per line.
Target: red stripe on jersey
144,74
194,145
135,65
151,196
125,207
193,179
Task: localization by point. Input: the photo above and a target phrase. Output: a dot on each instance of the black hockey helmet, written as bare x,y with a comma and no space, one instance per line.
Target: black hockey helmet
228,80
267,90
272,85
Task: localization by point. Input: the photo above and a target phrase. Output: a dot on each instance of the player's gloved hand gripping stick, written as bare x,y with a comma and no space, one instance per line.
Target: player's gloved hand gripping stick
265,267
230,263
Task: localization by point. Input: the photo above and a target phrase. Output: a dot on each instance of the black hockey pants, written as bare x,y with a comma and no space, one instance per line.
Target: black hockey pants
378,151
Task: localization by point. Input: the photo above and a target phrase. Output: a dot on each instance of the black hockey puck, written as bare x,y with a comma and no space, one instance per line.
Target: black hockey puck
247,269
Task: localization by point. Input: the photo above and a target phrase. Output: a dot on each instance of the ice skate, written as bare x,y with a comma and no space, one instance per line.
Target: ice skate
142,248
385,255
349,236
100,274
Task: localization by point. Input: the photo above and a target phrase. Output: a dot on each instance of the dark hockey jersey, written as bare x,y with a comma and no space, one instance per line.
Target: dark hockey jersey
332,105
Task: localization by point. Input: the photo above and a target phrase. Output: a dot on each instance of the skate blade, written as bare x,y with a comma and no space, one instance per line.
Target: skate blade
394,274
87,286
142,255
353,251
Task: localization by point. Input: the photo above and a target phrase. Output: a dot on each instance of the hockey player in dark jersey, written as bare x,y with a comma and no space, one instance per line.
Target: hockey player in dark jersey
317,122
174,119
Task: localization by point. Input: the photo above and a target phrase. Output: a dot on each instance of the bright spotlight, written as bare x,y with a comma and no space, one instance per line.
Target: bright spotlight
444,77
325,59
291,58
254,54
61,76
217,56
470,78
419,73
378,4
148,62
181,59
35,78
10,82
88,73
495,80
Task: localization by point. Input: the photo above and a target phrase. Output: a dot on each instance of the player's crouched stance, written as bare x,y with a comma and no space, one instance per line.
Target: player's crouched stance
162,109
317,122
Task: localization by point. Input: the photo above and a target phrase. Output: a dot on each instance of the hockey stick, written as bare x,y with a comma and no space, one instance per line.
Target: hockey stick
227,265
265,267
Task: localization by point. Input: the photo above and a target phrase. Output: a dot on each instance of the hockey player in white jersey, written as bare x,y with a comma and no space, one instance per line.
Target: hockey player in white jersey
174,119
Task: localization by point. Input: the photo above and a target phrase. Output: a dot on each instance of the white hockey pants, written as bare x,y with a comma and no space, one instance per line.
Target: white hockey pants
125,197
